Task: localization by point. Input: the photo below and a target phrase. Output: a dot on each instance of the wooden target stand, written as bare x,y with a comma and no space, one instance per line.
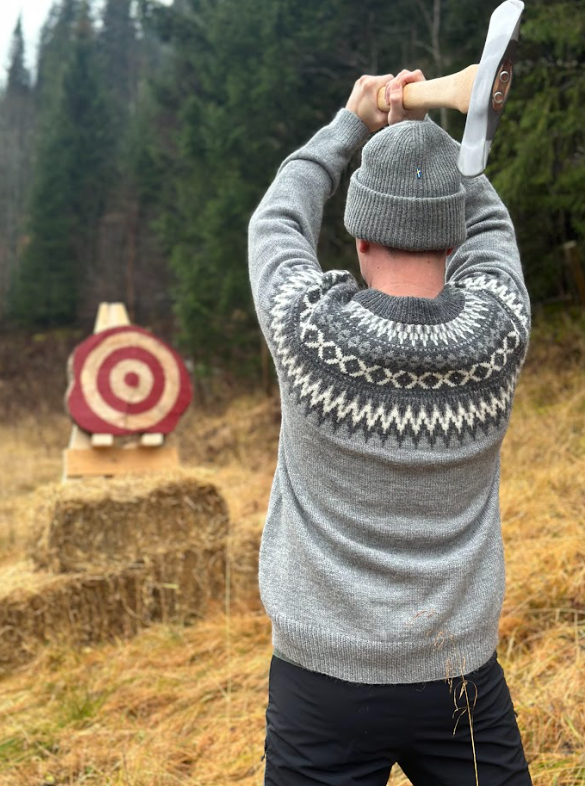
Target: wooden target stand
103,454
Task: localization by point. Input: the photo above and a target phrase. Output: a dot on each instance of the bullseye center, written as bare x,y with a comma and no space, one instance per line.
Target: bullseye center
132,379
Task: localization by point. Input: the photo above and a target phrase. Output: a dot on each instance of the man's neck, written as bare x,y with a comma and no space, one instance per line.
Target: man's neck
402,273
408,276
408,289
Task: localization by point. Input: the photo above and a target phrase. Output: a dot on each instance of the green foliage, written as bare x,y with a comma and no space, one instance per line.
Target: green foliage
71,179
118,56
539,155
18,75
253,82
16,131
249,84
176,119
56,39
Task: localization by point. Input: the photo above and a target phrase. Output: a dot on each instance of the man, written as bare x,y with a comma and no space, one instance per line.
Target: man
381,561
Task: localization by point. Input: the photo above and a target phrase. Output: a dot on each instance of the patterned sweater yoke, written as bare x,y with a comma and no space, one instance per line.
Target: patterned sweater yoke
381,559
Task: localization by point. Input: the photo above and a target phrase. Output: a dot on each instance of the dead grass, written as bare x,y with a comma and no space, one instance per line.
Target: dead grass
186,705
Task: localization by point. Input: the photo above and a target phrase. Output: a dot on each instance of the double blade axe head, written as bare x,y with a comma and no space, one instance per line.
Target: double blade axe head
490,88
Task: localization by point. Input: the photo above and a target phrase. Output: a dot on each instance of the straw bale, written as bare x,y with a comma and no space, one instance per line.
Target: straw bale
97,524
175,585
243,553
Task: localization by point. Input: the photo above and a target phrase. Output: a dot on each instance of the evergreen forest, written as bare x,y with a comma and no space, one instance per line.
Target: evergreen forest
134,153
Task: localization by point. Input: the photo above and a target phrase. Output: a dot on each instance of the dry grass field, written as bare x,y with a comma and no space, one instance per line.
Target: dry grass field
185,704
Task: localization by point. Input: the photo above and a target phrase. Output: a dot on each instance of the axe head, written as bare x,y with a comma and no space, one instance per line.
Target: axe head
490,88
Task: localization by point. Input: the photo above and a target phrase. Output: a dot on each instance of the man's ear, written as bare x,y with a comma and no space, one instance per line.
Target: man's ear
363,246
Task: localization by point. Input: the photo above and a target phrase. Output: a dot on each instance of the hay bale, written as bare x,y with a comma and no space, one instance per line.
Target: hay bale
243,553
110,557
175,585
97,525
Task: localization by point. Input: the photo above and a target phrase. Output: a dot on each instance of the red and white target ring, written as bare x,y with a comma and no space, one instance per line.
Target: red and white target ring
127,381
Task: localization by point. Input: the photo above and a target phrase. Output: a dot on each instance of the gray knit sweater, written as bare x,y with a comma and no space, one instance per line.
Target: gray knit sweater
381,559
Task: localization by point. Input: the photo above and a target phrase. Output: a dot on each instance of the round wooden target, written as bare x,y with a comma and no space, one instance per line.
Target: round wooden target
127,381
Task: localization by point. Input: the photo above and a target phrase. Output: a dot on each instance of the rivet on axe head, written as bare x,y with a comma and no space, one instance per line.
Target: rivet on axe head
480,91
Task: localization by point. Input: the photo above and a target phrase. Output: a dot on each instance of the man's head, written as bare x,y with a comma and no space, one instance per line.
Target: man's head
408,194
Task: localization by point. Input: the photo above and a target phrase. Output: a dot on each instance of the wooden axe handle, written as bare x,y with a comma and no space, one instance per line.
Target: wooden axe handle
452,92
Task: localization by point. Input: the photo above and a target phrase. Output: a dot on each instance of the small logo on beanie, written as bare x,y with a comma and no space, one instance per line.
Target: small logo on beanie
418,172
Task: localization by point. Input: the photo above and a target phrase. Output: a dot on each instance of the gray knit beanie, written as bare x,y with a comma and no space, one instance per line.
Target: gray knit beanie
408,194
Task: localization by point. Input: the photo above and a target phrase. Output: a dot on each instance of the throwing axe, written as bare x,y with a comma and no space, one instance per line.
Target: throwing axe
480,91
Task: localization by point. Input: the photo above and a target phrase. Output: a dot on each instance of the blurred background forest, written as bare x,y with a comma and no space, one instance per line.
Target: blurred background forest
133,155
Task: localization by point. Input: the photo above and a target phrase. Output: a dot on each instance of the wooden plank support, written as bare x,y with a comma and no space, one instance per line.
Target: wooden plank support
152,440
119,461
110,315
102,440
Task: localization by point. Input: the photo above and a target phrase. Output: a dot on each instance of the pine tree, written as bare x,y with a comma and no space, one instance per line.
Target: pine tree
16,134
119,56
72,175
18,75
129,265
57,35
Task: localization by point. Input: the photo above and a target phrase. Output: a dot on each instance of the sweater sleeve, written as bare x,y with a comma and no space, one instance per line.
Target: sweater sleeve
284,230
489,259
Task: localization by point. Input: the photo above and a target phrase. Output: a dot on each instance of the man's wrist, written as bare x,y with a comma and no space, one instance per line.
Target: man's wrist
351,127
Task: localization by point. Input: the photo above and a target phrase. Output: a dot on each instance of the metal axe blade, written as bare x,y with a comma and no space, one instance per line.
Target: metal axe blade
490,88
480,91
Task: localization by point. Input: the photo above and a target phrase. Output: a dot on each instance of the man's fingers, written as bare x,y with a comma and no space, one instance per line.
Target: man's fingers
396,96
394,92
393,95
393,85
384,82
384,79
396,106
413,76
363,100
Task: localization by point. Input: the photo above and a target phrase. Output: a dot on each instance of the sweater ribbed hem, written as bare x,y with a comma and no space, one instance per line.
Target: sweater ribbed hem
389,662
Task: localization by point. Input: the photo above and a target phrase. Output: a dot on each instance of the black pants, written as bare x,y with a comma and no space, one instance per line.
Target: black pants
321,730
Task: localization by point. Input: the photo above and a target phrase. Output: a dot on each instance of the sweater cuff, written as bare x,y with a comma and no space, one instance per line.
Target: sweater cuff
351,131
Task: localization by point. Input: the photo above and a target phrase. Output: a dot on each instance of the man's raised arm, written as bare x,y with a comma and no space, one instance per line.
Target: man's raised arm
284,230
489,259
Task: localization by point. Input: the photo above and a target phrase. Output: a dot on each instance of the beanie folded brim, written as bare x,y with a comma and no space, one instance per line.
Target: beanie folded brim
409,223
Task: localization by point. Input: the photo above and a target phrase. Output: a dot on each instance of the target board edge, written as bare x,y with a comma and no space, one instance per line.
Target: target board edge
127,381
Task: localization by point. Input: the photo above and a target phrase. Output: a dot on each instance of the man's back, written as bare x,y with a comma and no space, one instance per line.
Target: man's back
381,561
382,555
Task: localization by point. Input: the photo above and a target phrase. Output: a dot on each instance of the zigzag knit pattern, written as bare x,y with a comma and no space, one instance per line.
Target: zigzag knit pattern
448,373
